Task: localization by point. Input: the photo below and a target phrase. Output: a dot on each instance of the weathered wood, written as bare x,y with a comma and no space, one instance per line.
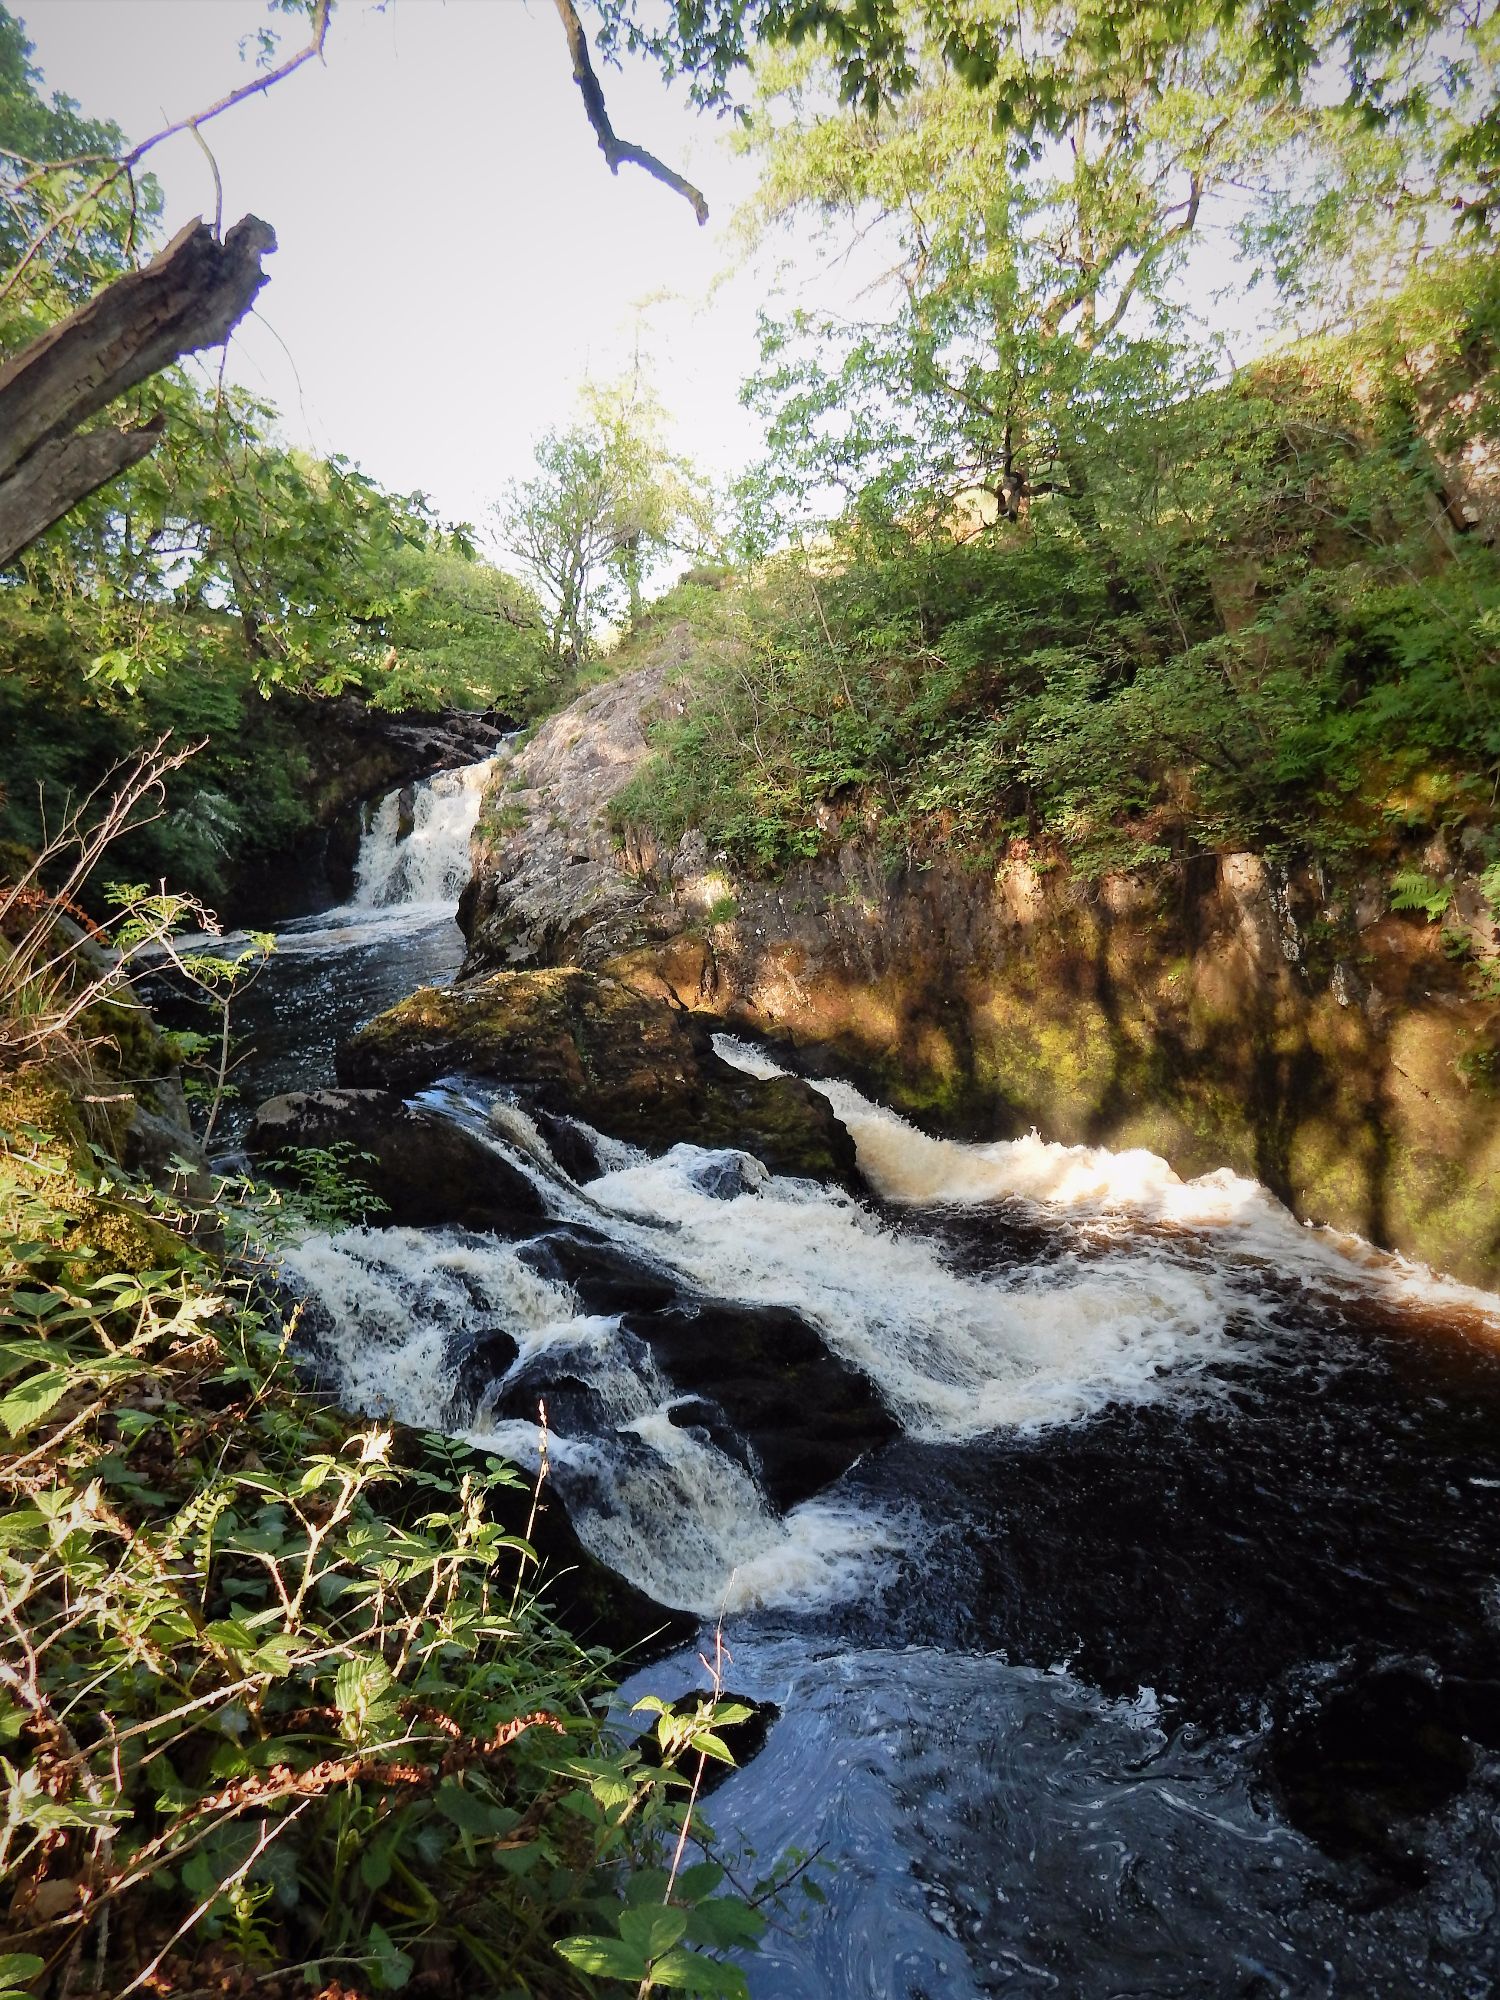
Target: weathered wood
189,297
59,474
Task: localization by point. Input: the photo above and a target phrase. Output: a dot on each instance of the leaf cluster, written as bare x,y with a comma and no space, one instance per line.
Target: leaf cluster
275,1691
1268,633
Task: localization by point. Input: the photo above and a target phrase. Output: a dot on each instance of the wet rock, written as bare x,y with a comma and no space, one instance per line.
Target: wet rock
707,1422
425,1169
604,1278
807,1414
582,1044
479,1361
568,1144
559,889
726,1176
573,1405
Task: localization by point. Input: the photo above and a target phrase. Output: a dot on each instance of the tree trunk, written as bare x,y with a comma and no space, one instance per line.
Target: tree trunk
190,297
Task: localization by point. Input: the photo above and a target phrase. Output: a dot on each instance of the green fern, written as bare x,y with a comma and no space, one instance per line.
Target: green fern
1412,890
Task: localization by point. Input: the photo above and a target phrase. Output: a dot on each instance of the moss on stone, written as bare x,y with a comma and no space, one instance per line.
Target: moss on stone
584,1043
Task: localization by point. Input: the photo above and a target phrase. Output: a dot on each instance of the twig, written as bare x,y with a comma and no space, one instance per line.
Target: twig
273,1830
124,167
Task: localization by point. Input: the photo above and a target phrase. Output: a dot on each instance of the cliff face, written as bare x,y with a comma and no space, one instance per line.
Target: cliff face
1227,1015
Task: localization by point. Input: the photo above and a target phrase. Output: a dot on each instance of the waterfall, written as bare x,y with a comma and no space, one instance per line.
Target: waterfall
415,849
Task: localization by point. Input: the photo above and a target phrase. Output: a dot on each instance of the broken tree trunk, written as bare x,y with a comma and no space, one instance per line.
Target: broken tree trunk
190,297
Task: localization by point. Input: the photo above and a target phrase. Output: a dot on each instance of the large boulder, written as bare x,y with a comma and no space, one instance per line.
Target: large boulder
582,1043
425,1169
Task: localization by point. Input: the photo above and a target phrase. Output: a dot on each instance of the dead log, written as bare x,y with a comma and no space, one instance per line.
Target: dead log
189,297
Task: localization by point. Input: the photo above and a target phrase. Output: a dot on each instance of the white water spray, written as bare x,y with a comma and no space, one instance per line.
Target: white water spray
953,1356
1117,1192
423,858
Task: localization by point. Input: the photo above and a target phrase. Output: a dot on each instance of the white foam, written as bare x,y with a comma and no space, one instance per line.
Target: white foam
677,1516
429,863
691,1528
905,1165
954,1356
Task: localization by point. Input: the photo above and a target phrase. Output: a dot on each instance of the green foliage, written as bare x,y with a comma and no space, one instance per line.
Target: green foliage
322,1185
317,577
1383,58
1027,303
1411,889
222,571
274,1688
49,159
1269,635
607,502
464,635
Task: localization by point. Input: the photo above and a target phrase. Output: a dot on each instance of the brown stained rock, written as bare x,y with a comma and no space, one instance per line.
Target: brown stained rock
634,1068
1221,1013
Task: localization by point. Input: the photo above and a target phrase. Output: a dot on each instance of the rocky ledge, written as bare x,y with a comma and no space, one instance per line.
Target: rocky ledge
1228,1011
583,1045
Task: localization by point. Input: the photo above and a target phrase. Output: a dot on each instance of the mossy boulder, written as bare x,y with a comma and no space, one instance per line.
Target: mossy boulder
582,1043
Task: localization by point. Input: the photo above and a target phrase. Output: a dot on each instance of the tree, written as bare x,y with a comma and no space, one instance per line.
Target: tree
1036,212
1029,283
607,501
37,135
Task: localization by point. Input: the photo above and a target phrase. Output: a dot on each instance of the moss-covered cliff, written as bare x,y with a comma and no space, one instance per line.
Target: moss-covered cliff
1225,1013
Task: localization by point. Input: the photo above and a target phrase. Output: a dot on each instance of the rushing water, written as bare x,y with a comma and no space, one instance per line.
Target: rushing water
397,932
1158,1652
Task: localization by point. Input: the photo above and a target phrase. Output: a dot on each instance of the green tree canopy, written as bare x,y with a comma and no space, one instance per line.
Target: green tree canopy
607,502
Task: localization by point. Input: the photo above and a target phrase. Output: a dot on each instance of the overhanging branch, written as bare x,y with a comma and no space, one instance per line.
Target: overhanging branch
190,297
618,152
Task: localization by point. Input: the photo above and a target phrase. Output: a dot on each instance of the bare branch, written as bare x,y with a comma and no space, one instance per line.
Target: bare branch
617,151
124,167
314,48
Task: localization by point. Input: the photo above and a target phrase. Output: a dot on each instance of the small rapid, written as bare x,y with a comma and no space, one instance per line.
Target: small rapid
1142,1636
954,1355
1121,1192
334,969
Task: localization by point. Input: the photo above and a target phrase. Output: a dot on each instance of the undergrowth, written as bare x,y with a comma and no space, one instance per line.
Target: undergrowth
1274,637
281,1709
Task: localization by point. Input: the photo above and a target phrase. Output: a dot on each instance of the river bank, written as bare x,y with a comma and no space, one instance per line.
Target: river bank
1231,1013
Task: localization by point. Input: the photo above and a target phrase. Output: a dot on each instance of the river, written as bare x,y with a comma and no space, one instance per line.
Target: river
1157,1654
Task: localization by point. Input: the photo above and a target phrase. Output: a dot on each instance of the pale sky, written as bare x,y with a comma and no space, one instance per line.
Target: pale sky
454,254
455,257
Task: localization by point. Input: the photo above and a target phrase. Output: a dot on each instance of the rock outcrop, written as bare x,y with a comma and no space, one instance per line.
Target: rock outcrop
587,1046
555,886
1224,1014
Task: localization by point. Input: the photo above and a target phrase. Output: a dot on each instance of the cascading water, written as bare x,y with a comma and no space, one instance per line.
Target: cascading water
333,970
1149,1644
415,849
